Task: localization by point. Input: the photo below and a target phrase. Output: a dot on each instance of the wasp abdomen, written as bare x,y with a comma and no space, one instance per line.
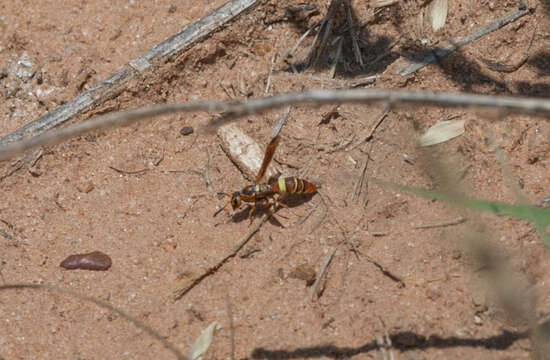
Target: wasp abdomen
293,185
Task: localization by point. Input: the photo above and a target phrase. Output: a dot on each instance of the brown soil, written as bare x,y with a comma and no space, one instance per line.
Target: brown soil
157,225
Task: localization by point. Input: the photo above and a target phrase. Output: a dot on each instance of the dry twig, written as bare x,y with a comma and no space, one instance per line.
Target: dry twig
131,172
191,282
115,84
370,134
433,56
392,98
206,174
385,271
458,221
315,287
361,180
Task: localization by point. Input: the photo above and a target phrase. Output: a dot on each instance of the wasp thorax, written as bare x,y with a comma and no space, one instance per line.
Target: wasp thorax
236,200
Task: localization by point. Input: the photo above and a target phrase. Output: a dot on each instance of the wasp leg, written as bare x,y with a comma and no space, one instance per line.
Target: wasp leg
250,212
276,203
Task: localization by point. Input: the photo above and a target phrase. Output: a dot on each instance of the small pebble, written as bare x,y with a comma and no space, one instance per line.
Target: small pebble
186,130
85,187
477,320
95,260
304,272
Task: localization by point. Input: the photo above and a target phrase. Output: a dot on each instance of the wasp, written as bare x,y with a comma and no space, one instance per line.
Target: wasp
263,192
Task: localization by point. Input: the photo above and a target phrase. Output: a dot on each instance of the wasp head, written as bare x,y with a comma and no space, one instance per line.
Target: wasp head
236,200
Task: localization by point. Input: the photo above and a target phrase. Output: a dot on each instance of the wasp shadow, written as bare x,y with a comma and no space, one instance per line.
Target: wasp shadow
403,341
294,200
260,210
287,200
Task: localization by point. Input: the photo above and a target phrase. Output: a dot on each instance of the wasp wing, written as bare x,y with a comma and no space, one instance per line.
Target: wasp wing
269,152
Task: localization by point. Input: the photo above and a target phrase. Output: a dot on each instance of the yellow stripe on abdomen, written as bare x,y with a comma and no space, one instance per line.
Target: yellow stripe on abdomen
282,185
295,185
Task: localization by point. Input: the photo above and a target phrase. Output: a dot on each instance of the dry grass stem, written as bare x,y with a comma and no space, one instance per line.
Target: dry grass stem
116,84
191,282
457,221
313,292
433,56
391,98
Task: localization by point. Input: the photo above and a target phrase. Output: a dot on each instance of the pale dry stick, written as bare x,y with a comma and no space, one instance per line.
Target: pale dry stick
460,42
322,271
367,80
457,221
207,174
382,3
361,180
102,304
130,172
196,279
340,41
370,134
115,84
268,81
533,106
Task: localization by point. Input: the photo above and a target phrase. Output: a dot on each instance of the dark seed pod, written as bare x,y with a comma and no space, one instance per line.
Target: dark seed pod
92,261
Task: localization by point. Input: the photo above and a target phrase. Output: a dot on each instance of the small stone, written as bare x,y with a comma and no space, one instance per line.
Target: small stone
86,187
477,320
95,260
304,272
186,130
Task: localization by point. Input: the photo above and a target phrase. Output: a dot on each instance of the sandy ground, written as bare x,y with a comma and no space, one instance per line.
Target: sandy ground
390,279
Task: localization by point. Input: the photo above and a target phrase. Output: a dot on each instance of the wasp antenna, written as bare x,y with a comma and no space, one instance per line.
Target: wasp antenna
220,210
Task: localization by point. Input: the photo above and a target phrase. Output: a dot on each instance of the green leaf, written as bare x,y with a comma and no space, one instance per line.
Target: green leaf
538,216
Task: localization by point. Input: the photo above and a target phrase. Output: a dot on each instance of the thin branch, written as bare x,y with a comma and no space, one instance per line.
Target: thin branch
385,271
457,221
190,283
206,173
392,98
315,287
459,42
370,134
115,84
